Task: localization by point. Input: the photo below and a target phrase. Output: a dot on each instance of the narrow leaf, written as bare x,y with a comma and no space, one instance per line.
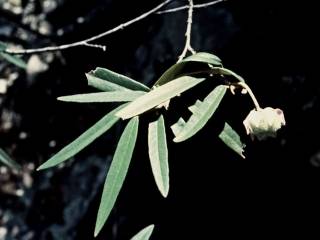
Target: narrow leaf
144,234
158,154
201,114
158,96
119,79
11,58
232,139
183,68
103,85
225,71
178,126
3,46
14,60
83,140
5,159
205,58
194,107
117,172
117,96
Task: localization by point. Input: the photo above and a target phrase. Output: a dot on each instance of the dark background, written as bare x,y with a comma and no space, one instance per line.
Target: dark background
213,192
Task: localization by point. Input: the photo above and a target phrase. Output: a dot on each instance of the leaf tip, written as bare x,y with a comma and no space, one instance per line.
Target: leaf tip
165,192
41,167
96,233
97,229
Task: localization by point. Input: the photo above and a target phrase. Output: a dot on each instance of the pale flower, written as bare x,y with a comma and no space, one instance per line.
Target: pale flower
263,123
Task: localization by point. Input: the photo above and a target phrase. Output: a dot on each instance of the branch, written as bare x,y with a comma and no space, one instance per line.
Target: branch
187,46
196,6
86,42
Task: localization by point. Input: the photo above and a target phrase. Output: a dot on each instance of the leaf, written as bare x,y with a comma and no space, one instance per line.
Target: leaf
2,46
232,139
201,113
118,79
83,140
158,96
117,172
183,68
11,58
103,85
144,234
225,71
5,159
158,154
117,96
205,58
177,127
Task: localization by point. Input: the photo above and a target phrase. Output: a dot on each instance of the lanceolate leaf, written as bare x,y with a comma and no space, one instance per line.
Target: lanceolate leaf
117,96
201,113
232,139
158,96
144,234
178,126
225,71
2,46
103,85
118,79
158,154
205,58
5,159
183,68
83,140
11,58
117,172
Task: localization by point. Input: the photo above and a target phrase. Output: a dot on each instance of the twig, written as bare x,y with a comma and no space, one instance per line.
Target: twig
196,6
86,42
187,46
103,47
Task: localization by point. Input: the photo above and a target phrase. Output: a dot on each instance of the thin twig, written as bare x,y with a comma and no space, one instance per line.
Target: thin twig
196,6
103,47
86,42
187,46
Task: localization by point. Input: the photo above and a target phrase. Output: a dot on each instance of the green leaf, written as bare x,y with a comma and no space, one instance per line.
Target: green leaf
232,139
158,95
225,71
204,58
11,58
118,79
117,172
14,60
158,154
201,113
103,85
183,68
144,234
5,159
2,46
178,126
83,140
117,96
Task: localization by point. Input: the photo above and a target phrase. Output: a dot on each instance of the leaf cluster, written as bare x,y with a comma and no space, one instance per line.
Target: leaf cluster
137,99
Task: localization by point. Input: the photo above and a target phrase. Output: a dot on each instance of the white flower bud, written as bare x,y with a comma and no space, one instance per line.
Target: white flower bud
263,123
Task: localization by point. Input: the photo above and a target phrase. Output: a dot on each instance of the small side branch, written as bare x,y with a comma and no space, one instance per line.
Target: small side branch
196,6
187,46
86,42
